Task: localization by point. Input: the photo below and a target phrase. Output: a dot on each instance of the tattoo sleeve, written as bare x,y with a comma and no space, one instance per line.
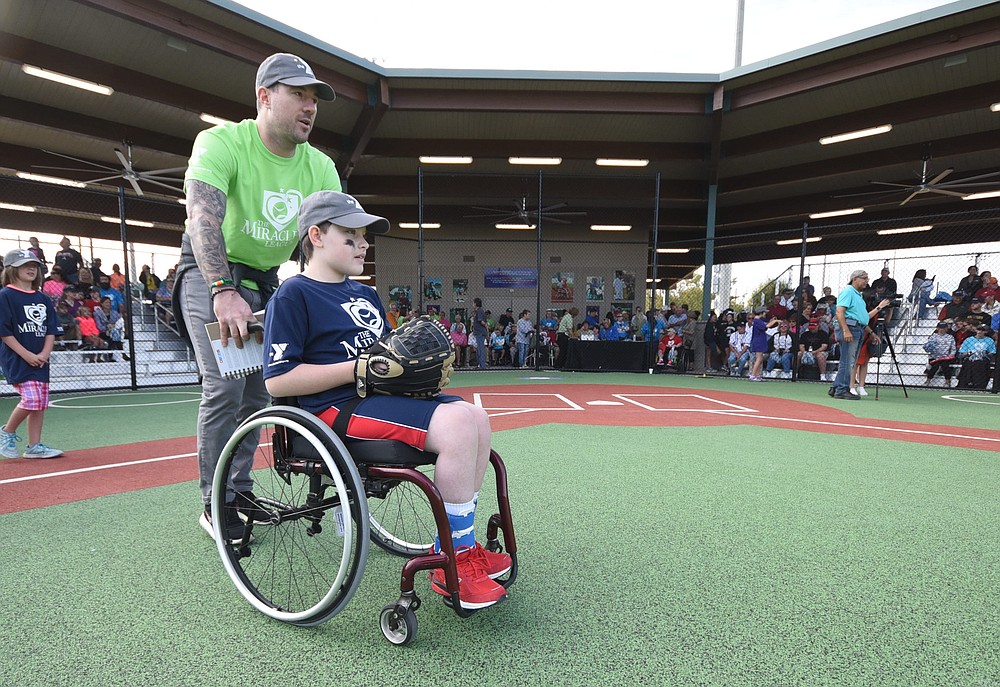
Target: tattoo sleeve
206,208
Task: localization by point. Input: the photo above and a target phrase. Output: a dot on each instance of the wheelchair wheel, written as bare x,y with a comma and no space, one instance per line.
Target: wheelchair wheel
309,527
400,516
400,629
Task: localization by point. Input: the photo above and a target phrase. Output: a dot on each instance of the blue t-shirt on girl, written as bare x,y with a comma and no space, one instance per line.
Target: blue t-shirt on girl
758,335
28,316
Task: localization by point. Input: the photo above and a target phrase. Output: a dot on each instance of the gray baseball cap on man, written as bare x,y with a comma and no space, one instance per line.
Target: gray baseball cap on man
290,70
339,208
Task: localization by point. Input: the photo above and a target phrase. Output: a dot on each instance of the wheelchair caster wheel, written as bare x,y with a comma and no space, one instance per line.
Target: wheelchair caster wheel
398,629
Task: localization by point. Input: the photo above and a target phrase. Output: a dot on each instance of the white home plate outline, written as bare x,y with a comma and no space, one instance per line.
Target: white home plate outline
732,407
477,399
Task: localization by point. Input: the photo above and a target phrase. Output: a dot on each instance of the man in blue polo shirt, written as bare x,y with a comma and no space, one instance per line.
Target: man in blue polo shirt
851,323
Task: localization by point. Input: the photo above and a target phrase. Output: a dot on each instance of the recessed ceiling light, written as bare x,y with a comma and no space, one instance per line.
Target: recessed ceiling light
130,222
620,162
981,196
673,250
851,135
518,227
792,242
51,180
361,277
445,160
415,225
66,80
212,119
995,107
12,206
905,230
535,160
610,227
836,213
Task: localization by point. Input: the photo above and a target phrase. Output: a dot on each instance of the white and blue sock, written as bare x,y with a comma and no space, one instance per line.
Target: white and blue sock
461,517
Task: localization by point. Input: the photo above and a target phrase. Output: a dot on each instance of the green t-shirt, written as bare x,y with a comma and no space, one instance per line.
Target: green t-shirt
263,190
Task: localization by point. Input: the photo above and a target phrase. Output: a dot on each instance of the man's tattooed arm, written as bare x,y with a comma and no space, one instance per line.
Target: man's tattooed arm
206,208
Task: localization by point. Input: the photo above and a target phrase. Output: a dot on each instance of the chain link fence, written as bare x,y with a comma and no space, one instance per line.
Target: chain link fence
121,334
524,245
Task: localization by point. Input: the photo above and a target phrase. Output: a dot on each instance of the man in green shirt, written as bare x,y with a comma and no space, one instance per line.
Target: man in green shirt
244,185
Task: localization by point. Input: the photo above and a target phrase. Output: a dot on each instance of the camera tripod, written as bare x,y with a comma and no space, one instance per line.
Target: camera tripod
883,335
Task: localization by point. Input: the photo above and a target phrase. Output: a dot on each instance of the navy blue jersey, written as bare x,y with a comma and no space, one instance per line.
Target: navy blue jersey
28,316
333,322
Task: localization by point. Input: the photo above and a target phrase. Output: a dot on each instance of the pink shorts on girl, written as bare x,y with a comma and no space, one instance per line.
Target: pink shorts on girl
34,395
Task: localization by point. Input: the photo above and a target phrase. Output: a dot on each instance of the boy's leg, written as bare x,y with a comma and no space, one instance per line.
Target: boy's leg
453,435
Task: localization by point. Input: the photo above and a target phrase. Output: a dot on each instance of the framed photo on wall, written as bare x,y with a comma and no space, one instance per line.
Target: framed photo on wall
562,287
402,295
595,288
433,289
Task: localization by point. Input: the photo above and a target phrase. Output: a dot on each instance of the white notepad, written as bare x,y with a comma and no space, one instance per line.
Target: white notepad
234,362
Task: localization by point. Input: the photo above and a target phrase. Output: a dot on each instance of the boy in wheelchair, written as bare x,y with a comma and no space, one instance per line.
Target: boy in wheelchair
317,324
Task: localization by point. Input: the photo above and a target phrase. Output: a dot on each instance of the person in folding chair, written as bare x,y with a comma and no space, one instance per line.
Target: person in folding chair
325,333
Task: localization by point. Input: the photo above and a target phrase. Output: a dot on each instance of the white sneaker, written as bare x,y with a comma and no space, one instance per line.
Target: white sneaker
40,450
861,392
8,444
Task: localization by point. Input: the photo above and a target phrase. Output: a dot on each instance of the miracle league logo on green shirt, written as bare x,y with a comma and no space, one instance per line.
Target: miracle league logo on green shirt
279,210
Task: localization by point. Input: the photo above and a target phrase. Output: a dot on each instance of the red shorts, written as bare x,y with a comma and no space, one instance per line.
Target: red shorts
391,417
34,395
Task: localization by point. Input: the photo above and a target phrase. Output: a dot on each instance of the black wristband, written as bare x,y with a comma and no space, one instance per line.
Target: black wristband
222,289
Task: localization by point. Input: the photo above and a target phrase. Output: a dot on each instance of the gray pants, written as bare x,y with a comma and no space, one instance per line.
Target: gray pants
224,403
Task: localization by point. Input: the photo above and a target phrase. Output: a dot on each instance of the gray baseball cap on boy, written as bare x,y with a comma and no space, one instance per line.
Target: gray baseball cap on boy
339,208
18,257
291,70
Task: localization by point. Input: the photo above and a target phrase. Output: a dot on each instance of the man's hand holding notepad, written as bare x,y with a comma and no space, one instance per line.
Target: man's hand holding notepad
235,361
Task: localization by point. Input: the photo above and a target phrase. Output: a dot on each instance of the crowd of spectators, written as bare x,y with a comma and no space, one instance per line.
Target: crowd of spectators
794,331
91,303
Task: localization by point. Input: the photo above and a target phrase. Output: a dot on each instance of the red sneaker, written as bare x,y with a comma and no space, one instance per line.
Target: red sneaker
475,588
495,563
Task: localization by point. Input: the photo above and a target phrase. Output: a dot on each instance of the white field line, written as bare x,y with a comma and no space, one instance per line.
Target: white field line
94,468
733,408
478,400
106,466
849,425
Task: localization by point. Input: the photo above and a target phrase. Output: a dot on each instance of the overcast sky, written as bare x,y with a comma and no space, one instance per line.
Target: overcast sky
626,35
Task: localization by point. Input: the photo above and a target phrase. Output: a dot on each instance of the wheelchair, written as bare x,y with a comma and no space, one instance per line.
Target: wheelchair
319,502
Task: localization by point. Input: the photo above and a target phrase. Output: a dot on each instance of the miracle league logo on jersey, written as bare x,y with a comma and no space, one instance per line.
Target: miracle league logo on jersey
367,316
35,316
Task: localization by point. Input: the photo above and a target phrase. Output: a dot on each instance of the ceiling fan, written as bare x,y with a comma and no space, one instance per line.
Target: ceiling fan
520,211
932,184
127,171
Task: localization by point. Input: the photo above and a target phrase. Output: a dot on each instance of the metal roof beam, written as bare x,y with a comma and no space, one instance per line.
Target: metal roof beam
464,100
172,21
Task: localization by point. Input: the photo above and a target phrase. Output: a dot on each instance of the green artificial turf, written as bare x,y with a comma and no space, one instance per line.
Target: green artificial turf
649,556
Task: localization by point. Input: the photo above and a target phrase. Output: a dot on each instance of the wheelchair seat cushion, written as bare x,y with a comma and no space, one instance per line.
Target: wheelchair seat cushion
372,452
